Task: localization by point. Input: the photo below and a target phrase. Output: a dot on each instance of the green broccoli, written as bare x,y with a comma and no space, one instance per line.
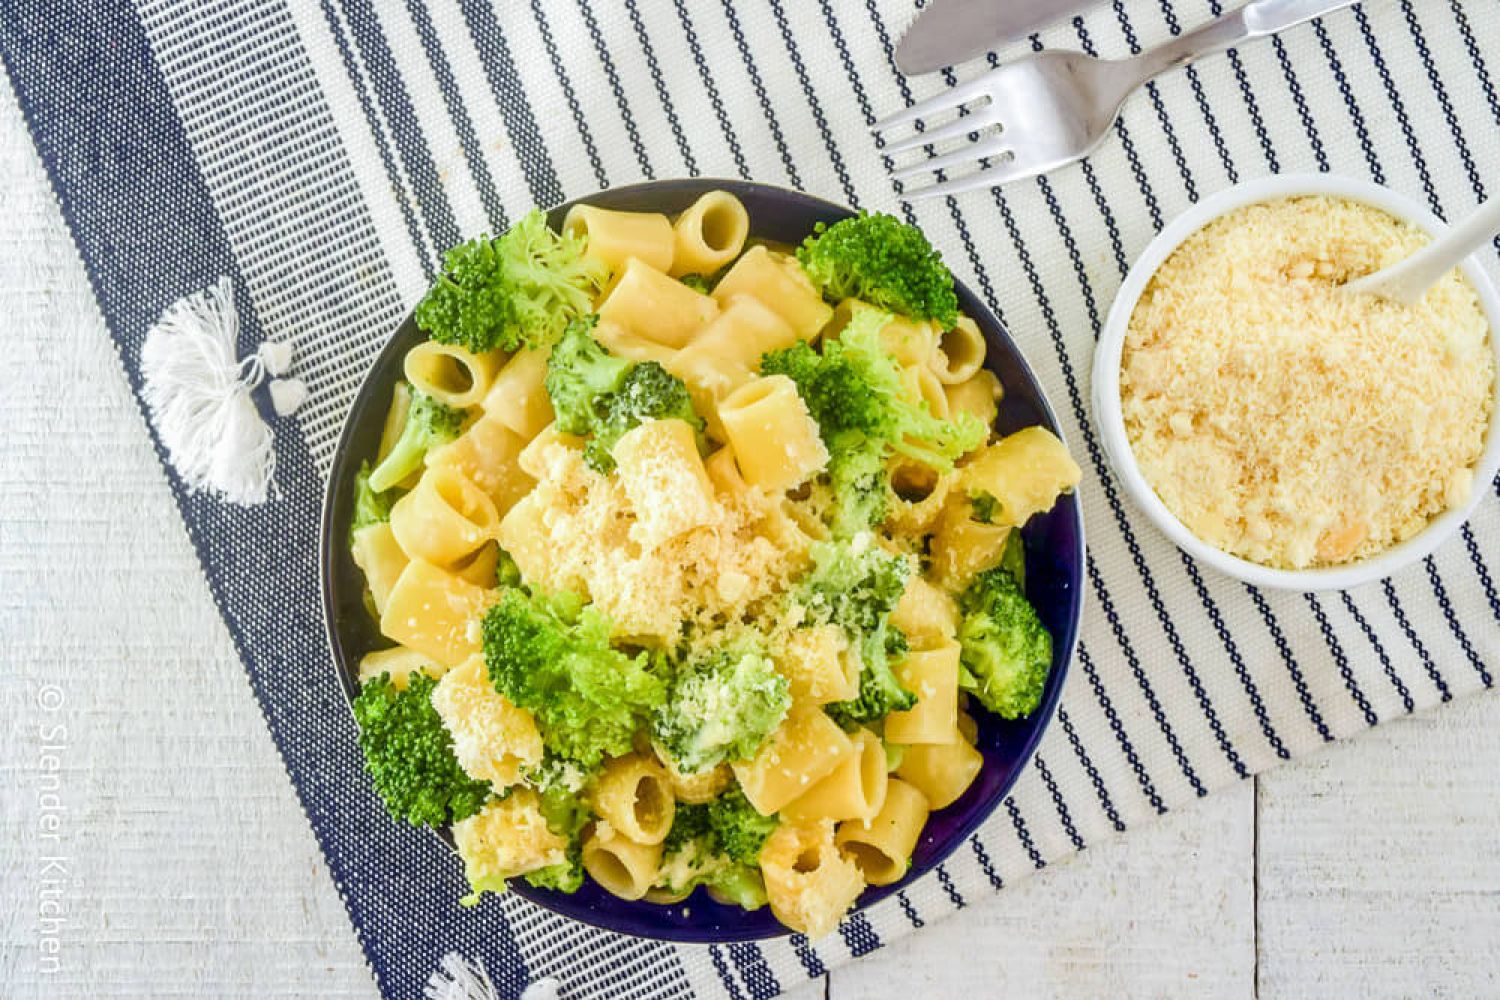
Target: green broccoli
698,282
566,813
984,505
512,291
884,261
370,507
1006,651
693,855
855,585
1013,559
409,754
722,707
429,424
739,830
855,393
595,393
552,656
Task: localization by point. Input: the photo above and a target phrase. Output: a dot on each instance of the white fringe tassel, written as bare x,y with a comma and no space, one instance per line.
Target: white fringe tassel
458,978
198,396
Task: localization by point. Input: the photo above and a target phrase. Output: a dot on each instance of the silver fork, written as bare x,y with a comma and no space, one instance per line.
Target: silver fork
1054,107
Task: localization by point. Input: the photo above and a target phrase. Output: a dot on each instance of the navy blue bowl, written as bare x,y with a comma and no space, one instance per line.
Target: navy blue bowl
1054,578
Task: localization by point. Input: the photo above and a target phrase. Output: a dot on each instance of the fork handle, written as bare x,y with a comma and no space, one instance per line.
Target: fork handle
1253,20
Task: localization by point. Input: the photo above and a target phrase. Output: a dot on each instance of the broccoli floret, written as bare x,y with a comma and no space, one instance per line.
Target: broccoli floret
697,282
409,754
429,424
689,822
370,507
693,855
984,505
740,830
1013,559
566,813
595,393
855,393
884,261
552,656
741,885
1006,651
507,573
855,585
722,707
511,291
649,392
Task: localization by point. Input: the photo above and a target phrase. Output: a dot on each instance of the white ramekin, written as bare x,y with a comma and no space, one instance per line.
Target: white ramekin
1111,421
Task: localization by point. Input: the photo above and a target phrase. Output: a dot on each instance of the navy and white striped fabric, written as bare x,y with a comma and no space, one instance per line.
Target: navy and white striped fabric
324,152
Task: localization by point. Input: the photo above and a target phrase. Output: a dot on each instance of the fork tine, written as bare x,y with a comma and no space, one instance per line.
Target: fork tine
988,178
969,153
943,100
953,130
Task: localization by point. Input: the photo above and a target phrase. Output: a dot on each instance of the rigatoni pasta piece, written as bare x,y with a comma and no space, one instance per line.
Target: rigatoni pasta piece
925,611
537,454
379,555
1025,472
809,882
445,518
508,837
931,675
634,794
694,789
959,352
709,234
432,611
909,341
941,771
979,396
649,304
488,454
395,420
449,374
819,665
479,567
804,749
493,740
664,479
778,281
614,237
775,439
882,847
399,663
963,547
726,354
621,866
922,387
523,534
853,790
518,395
623,343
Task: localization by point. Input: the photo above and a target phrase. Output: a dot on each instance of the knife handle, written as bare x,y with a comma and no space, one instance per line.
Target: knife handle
1253,20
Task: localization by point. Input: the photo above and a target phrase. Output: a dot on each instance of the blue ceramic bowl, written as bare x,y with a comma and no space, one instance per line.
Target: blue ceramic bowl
1054,579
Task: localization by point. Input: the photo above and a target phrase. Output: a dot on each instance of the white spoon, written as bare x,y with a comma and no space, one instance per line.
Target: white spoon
1409,280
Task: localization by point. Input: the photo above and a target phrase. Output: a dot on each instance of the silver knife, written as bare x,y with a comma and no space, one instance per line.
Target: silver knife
948,32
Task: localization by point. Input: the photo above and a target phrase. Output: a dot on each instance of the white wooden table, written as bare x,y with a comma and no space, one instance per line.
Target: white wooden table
186,868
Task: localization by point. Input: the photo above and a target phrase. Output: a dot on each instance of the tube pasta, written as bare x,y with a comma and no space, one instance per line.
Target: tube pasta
523,534
959,352
537,453
1026,472
819,665
664,478
450,374
709,234
378,554
809,882
941,771
479,567
651,305
694,789
726,354
632,347
909,341
398,662
925,612
979,396
488,455
445,518
774,438
882,847
932,675
621,866
634,794
615,237
804,749
518,395
963,547
395,420
855,789
493,740
429,610
778,281
508,837
922,387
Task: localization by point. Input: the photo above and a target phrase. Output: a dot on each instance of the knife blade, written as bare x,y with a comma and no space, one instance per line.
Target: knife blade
948,32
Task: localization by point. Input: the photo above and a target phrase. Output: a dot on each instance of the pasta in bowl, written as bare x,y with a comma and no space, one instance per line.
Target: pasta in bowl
701,560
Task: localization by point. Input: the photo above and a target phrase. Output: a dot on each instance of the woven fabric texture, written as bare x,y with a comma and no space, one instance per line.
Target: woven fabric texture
324,153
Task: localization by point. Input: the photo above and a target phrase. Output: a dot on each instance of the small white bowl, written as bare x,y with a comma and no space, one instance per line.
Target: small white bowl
1106,391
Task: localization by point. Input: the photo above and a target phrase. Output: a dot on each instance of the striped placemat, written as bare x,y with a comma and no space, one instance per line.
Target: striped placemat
324,153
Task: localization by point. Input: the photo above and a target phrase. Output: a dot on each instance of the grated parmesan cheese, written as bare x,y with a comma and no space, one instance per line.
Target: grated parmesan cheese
1287,421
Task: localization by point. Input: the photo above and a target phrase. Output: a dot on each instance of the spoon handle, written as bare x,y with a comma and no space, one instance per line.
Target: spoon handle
1409,280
